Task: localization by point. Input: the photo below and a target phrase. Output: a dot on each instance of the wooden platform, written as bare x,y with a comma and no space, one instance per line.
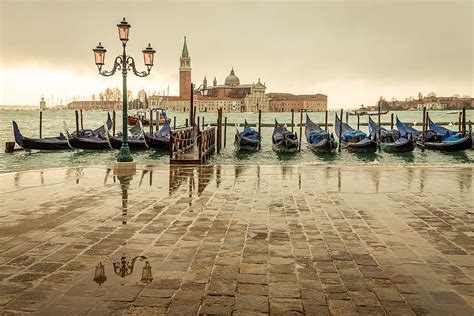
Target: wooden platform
190,157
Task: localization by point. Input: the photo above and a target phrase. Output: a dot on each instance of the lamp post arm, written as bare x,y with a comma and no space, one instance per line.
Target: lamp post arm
117,66
131,66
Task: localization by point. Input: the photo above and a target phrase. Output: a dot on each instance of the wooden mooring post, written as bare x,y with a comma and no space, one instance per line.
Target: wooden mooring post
424,125
219,130
292,119
9,147
259,129
41,124
326,121
358,121
174,122
77,122
203,125
151,122
463,120
198,123
187,123
391,120
340,130
347,117
225,131
459,122
113,123
379,129
82,119
301,128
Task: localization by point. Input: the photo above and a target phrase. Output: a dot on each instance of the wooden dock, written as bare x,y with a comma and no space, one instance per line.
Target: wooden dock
190,146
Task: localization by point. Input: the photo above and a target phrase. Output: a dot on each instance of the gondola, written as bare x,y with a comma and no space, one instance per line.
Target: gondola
319,140
136,140
91,139
248,139
391,141
437,137
283,140
354,140
159,139
449,140
46,143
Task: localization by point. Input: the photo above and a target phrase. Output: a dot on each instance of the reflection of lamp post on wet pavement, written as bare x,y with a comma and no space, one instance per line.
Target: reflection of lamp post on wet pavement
124,185
124,63
124,268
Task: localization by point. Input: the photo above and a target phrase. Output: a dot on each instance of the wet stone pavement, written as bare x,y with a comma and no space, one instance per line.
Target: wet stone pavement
240,240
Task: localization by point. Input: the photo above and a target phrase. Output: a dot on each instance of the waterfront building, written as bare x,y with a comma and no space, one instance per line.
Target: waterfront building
433,102
285,102
95,105
231,95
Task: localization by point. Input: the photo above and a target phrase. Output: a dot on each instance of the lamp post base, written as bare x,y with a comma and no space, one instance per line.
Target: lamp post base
124,154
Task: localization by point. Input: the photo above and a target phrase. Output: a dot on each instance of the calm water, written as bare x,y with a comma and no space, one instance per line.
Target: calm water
53,124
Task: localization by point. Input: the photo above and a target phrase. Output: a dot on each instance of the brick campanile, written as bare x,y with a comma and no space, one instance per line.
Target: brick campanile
185,73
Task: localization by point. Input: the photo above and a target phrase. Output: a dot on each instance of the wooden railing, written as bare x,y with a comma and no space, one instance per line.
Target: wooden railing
181,140
207,144
185,148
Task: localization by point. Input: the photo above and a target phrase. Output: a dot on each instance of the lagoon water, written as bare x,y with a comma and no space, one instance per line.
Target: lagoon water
28,122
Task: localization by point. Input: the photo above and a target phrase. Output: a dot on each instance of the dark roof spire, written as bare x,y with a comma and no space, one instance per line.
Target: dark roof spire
185,52
232,72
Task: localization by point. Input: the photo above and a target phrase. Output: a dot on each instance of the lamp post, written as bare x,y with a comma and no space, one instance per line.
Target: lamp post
124,63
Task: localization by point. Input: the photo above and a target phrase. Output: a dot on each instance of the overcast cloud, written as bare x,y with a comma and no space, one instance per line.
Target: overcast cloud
353,51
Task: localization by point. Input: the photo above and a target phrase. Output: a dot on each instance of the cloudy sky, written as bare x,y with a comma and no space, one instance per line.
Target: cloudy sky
353,51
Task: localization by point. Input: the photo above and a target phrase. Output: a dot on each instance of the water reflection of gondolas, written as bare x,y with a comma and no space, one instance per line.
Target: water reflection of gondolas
150,177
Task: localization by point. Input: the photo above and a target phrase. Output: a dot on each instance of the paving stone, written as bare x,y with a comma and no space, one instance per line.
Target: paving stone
222,287
244,302
364,298
239,246
253,289
284,289
341,307
252,278
446,297
285,306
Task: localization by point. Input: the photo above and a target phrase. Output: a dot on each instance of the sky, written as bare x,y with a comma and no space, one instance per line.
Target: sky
352,51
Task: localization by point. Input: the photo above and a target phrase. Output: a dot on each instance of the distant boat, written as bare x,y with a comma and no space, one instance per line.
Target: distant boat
453,112
283,140
318,139
141,115
363,113
248,139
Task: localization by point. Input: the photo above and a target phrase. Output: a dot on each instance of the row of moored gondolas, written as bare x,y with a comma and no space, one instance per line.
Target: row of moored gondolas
402,139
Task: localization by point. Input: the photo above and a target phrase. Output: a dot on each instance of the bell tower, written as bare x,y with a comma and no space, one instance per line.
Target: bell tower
185,73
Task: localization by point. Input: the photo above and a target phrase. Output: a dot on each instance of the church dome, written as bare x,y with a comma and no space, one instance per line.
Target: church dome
232,80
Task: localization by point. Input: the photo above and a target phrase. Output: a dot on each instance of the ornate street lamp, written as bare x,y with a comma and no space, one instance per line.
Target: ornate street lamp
124,63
